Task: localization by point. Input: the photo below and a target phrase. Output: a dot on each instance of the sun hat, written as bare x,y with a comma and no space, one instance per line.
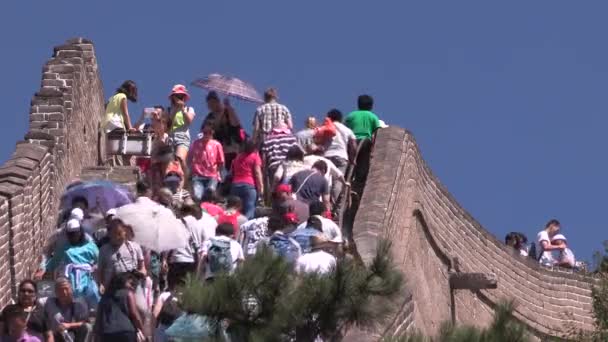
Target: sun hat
283,188
77,214
72,226
111,213
318,240
291,218
180,89
557,237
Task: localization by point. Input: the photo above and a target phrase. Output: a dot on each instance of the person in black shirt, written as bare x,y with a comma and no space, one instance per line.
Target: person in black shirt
310,185
118,318
226,125
28,302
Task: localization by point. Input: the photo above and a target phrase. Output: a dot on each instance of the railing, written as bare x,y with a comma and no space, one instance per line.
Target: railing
352,191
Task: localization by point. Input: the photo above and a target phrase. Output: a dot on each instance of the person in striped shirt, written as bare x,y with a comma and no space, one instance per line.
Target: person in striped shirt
275,147
270,115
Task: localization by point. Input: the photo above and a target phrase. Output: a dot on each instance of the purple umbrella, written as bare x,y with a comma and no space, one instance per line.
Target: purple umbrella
229,86
101,195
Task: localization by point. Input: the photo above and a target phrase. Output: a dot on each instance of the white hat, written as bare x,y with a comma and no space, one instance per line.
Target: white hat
73,225
111,212
77,214
558,237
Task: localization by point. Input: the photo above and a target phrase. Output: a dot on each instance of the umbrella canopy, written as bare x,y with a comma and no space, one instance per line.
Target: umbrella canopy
101,195
229,86
154,226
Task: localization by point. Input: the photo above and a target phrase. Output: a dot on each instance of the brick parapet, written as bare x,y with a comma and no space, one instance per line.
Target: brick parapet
61,140
405,201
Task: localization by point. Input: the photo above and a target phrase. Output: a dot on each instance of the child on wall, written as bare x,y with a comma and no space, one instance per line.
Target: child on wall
566,256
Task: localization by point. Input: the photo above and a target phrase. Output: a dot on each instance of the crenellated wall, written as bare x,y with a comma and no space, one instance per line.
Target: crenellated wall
403,200
61,140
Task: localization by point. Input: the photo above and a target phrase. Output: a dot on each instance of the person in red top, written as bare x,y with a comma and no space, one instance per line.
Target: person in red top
233,214
206,160
211,204
247,181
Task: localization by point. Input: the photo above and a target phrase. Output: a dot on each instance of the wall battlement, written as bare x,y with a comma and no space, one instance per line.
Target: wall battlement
429,230
61,140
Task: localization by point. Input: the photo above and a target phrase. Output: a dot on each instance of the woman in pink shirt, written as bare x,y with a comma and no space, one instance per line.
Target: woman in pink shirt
247,181
206,160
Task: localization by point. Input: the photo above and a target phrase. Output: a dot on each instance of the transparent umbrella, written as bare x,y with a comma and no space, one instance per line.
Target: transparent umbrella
101,195
154,226
229,86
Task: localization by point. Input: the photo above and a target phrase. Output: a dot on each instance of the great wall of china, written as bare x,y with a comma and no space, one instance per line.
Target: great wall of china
404,201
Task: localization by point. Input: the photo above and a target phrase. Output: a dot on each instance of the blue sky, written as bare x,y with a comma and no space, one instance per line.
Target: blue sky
507,100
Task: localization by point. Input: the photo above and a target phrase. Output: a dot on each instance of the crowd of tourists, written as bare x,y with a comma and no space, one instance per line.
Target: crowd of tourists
234,193
551,247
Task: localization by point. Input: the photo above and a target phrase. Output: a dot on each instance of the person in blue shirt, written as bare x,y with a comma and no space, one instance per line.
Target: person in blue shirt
303,236
75,261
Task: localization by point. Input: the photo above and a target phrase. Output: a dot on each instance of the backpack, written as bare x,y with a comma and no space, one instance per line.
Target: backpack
170,311
532,252
231,218
284,247
325,133
219,257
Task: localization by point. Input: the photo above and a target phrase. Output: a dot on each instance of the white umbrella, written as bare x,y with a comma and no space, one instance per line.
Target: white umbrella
154,226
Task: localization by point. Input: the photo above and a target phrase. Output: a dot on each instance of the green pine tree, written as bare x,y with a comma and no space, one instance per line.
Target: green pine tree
599,295
264,300
603,260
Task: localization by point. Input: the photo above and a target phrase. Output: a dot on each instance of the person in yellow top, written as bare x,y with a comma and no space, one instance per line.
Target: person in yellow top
117,115
117,111
181,117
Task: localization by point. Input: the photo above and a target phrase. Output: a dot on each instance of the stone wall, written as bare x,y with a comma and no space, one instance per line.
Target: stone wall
402,200
61,140
405,201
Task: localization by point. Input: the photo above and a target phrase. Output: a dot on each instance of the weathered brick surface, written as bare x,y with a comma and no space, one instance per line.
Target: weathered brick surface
61,140
405,201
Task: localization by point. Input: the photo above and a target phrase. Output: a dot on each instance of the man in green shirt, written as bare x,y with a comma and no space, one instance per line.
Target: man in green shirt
363,122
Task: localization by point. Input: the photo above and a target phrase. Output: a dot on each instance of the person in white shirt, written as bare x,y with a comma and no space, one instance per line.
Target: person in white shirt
182,261
341,149
545,247
209,225
318,260
221,253
519,242
252,232
566,256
